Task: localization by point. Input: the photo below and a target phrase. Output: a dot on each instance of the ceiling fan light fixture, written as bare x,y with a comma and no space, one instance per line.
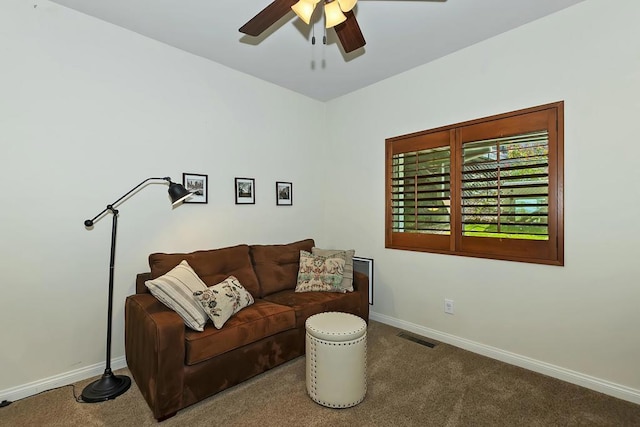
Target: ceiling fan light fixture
347,5
304,9
333,14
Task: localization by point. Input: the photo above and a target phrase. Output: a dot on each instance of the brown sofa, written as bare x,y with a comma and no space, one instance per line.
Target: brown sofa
175,366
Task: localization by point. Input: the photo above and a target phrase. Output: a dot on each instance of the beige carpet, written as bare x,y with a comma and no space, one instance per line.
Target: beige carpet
409,385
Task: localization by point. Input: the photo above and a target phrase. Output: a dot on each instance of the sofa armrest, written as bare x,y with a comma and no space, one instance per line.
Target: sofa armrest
361,284
155,351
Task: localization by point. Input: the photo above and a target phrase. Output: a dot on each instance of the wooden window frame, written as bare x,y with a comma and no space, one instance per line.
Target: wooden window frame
551,251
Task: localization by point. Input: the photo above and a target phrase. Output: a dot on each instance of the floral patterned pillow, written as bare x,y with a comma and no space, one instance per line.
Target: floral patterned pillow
223,300
320,273
347,279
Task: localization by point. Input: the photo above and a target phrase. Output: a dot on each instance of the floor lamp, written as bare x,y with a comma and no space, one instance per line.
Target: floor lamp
110,386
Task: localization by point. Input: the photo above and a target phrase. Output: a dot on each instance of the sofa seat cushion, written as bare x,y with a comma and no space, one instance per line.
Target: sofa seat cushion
212,266
260,320
276,266
309,303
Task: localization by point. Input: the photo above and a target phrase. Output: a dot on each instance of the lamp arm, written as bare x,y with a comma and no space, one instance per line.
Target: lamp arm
110,207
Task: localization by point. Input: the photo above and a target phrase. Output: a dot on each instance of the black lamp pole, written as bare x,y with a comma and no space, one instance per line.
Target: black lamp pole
110,386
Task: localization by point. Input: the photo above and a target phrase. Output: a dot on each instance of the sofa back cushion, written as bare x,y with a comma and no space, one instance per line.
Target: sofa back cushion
277,265
212,266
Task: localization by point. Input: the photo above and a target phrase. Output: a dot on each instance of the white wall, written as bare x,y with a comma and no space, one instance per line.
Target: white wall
87,111
578,322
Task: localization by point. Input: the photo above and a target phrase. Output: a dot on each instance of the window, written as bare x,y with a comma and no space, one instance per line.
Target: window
490,188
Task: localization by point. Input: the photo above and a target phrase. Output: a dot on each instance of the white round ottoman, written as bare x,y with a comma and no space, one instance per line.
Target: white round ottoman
336,346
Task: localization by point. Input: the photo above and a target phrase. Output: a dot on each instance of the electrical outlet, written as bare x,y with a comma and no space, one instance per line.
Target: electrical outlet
448,306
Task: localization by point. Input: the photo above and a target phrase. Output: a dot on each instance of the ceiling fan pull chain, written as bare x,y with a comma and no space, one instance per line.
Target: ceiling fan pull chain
324,37
313,34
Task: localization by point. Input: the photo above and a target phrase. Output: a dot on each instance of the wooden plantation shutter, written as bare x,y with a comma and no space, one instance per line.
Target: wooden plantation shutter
419,196
490,188
508,187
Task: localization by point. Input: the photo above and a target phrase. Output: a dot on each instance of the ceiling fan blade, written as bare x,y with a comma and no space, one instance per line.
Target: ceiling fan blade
267,17
349,33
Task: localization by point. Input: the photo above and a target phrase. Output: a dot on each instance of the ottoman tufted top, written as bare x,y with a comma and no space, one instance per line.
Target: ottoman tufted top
335,326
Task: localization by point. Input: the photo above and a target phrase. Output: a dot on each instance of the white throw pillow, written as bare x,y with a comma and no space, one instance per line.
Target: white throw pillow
223,300
175,290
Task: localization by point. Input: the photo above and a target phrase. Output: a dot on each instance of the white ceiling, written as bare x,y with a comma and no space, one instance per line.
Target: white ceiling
400,35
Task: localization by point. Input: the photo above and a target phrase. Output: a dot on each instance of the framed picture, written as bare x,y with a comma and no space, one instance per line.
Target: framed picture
365,266
198,184
284,193
245,191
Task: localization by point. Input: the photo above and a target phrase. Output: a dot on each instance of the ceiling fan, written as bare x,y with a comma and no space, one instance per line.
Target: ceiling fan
338,15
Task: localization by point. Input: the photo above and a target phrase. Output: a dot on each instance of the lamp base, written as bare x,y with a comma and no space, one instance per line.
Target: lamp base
108,387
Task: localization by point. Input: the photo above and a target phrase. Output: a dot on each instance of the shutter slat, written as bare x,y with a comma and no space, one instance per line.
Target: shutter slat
508,178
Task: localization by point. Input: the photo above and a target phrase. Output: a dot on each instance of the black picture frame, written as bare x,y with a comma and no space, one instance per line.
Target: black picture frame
245,190
365,266
284,193
198,183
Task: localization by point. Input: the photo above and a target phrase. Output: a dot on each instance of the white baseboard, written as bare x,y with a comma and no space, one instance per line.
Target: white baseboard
583,380
35,387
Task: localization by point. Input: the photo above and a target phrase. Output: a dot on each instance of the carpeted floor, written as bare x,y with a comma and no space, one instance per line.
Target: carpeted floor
408,385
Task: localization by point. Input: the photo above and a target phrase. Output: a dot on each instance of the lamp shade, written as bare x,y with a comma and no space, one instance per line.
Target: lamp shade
347,5
333,15
304,9
178,193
